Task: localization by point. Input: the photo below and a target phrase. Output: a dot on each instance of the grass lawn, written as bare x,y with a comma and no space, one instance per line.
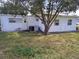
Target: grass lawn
24,45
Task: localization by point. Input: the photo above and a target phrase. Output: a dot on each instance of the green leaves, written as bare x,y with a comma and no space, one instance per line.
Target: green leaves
16,6
12,7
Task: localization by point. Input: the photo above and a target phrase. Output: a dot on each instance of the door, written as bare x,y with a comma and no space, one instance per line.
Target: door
31,28
77,27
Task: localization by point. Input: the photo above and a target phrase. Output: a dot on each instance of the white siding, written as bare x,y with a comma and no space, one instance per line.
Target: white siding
31,21
7,26
63,26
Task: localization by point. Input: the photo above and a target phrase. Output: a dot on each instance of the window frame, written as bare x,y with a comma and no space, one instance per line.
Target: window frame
11,20
25,21
69,22
56,22
37,20
15,20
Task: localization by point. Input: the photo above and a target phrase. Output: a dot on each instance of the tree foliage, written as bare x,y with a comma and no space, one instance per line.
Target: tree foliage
50,9
13,7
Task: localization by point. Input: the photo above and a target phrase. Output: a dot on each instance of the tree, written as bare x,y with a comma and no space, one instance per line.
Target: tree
12,7
47,10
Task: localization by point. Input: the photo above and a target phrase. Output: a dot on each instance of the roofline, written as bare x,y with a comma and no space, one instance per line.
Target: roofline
75,16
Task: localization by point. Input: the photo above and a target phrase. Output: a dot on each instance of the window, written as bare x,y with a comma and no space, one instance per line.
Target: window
24,20
37,19
70,22
11,20
56,22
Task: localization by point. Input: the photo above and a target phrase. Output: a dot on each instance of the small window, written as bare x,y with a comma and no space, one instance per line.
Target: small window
56,22
24,20
11,20
37,19
17,20
70,22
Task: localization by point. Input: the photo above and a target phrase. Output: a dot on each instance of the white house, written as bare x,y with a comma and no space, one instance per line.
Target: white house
63,23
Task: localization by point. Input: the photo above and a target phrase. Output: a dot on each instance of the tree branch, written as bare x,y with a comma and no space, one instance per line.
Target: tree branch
42,15
49,10
55,16
42,19
58,8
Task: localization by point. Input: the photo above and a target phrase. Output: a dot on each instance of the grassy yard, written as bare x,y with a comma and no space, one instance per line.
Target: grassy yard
24,45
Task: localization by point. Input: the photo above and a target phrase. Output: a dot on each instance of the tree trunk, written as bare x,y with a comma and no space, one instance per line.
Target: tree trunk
46,30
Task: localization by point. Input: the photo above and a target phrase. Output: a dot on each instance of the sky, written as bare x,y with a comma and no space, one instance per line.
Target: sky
73,13
77,12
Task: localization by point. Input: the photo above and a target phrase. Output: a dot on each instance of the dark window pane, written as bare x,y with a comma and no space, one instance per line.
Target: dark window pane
11,20
37,19
25,21
70,22
56,22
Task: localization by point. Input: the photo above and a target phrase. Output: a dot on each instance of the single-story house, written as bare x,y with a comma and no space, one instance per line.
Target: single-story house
63,23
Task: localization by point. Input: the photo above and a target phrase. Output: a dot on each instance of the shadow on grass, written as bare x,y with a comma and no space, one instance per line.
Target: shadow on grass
31,34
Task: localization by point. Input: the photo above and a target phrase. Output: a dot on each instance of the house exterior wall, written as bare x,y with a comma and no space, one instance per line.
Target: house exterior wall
7,26
31,21
63,26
